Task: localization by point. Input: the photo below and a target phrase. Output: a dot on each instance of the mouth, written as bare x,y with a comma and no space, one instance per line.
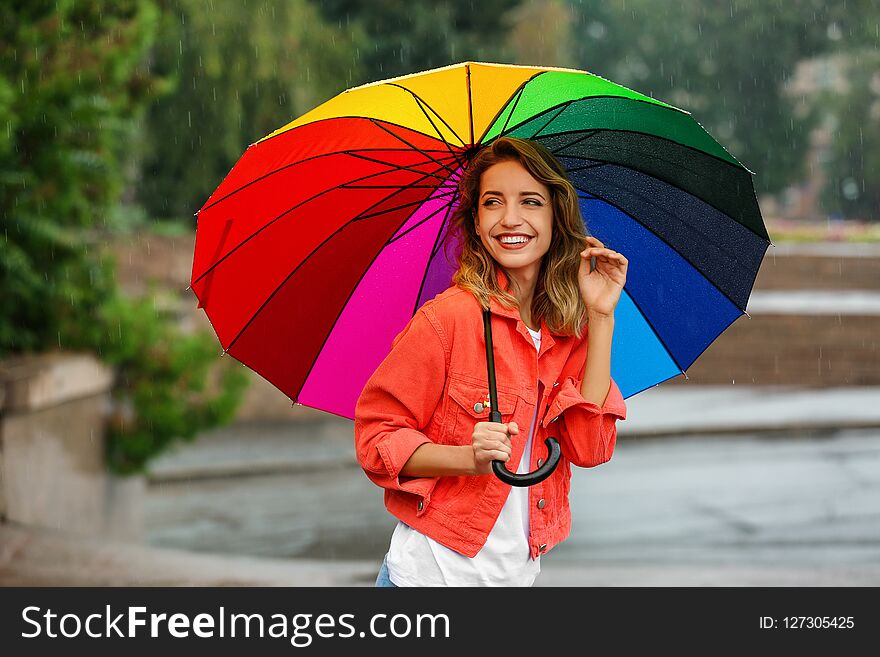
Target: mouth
513,241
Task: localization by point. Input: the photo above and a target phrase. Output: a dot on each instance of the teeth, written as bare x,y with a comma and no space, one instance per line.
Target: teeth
514,240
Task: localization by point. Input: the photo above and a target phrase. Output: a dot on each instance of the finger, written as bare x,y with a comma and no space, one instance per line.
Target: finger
499,437
605,254
497,442
495,446
494,426
596,251
513,427
594,240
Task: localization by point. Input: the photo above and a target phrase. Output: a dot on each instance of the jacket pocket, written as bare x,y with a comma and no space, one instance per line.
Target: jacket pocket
469,405
455,494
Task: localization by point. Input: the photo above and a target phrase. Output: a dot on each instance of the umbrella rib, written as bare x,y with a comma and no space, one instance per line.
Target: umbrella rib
513,109
411,146
588,166
708,345
437,130
518,93
304,260
600,96
396,167
635,100
467,68
438,241
658,336
421,222
601,163
303,161
346,186
660,237
555,116
287,211
646,134
587,135
396,207
421,101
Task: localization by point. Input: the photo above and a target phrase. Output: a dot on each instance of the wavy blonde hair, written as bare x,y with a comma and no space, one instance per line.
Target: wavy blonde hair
557,298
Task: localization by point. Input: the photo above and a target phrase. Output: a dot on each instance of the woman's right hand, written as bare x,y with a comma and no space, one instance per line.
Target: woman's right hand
491,442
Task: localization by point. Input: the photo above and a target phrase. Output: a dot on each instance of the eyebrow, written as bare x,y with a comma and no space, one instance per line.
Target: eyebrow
490,191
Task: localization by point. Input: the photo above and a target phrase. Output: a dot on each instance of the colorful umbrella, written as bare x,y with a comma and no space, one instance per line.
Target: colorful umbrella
325,237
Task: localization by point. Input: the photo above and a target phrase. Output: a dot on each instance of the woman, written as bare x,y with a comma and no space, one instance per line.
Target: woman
421,422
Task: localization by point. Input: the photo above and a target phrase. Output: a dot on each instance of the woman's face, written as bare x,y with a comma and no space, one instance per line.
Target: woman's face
514,217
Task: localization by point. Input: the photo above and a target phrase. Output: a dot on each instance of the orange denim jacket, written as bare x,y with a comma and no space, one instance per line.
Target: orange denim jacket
427,389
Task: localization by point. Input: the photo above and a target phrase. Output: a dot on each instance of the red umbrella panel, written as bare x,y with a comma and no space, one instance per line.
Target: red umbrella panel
316,248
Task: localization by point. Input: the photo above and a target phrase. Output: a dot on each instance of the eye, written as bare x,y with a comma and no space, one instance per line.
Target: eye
490,201
533,201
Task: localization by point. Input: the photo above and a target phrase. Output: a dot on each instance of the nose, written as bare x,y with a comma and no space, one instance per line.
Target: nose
511,217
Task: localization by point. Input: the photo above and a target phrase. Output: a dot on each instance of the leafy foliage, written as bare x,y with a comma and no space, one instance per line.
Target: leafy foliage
854,154
164,391
727,63
404,37
70,76
73,80
238,74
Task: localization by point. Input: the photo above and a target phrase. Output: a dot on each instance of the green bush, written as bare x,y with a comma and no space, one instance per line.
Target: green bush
163,381
73,83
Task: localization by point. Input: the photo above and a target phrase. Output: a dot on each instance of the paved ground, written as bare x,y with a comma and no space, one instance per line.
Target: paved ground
707,505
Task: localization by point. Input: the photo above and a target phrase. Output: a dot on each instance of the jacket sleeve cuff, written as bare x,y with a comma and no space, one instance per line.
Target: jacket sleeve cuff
570,395
395,449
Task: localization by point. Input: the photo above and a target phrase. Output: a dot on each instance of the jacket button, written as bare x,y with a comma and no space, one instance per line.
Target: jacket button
541,503
421,504
542,547
540,462
478,407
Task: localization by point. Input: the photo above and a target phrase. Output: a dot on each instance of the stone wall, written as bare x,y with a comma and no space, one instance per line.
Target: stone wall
811,351
806,349
53,409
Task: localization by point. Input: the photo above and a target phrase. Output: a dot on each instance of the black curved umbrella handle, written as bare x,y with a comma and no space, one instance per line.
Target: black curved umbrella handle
528,478
553,449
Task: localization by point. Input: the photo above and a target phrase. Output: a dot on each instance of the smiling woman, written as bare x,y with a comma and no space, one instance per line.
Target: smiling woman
423,427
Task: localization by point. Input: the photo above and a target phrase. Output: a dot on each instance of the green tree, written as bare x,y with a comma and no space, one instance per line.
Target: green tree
726,63
238,74
853,165
404,37
73,80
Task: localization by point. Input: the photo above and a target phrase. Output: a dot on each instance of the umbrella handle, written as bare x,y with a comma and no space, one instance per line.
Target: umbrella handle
553,449
528,478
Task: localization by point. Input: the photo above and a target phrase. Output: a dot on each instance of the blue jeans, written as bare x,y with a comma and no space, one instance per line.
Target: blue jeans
383,579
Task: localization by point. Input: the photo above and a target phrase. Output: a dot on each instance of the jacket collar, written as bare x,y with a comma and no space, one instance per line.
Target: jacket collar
496,308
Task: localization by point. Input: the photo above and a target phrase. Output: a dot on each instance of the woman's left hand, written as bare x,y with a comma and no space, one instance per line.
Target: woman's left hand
601,288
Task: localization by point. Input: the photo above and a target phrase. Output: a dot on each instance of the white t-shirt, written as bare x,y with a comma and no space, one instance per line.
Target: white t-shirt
417,560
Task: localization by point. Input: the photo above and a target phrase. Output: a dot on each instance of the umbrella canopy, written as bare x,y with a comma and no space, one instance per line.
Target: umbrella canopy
327,235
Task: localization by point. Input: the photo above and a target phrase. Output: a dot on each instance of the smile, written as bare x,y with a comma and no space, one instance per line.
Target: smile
514,242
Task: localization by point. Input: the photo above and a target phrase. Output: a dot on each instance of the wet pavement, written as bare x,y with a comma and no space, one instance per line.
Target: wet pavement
750,509
694,496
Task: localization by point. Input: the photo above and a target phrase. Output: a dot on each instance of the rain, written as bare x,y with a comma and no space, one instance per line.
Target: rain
756,461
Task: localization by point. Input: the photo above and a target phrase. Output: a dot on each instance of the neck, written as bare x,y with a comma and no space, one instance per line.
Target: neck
526,281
